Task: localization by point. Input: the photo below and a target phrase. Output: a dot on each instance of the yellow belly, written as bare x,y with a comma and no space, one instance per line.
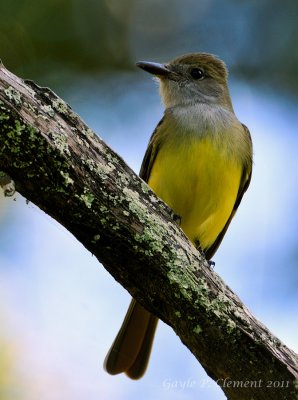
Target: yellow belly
200,182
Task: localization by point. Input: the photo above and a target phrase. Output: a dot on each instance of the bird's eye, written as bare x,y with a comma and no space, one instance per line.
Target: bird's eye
197,73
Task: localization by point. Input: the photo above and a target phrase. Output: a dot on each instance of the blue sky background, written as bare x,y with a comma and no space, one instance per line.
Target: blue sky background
59,308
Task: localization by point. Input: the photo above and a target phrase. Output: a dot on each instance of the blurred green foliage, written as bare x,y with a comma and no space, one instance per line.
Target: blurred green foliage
76,35
258,39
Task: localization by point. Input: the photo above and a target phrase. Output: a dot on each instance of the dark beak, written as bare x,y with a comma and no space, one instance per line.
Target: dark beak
154,68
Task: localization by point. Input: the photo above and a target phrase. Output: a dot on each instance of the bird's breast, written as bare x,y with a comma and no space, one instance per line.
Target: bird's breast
198,176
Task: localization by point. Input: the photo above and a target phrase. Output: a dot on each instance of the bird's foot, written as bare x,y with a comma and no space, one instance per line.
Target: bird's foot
199,247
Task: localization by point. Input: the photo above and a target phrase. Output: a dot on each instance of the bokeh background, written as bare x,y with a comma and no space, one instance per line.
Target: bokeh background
59,308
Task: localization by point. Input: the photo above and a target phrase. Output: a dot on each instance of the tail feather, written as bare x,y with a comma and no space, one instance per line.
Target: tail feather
131,349
138,368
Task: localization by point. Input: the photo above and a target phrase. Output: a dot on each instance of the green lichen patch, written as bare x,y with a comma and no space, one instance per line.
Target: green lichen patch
13,95
145,188
112,159
13,140
48,110
60,142
153,230
67,179
197,329
87,198
123,178
30,158
95,239
231,326
88,133
31,108
135,205
60,106
4,117
151,238
104,170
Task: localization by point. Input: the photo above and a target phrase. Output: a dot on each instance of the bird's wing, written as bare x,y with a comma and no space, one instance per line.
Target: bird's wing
244,183
151,153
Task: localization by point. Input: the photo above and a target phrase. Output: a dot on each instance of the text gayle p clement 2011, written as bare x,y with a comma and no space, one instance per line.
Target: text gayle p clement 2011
190,383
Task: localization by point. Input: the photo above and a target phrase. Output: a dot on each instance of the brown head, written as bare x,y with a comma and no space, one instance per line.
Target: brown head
191,78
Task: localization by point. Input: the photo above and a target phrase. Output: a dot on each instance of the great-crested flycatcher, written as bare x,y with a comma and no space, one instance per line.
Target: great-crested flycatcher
199,161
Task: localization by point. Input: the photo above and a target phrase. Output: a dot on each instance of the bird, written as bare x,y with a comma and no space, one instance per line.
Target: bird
198,161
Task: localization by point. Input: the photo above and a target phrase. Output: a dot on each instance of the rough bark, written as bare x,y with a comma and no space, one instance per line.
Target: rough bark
59,164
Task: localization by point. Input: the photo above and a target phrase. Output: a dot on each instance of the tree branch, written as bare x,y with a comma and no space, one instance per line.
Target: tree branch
59,164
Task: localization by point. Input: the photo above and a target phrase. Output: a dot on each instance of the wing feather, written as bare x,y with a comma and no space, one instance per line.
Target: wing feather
244,183
151,153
